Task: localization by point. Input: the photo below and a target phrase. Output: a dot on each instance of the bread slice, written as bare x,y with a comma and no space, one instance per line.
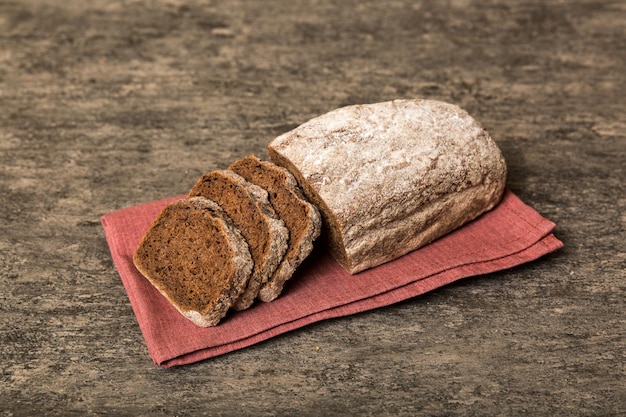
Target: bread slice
301,218
391,177
250,210
195,256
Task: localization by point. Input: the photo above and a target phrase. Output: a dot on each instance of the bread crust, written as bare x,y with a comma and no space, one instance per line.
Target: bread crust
391,177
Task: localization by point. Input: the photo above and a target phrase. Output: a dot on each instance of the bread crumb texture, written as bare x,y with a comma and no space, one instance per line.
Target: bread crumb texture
249,208
301,218
196,258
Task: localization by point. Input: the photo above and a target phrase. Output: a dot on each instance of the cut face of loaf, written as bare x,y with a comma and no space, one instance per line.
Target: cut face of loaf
391,177
251,212
301,218
196,258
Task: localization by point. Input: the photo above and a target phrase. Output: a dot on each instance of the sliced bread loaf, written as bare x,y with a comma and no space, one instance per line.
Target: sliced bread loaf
391,177
251,212
301,218
195,256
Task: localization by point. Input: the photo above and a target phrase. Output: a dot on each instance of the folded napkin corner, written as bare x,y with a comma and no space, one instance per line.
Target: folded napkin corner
511,234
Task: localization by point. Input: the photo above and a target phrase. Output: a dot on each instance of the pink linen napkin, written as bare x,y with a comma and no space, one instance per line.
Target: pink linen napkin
511,234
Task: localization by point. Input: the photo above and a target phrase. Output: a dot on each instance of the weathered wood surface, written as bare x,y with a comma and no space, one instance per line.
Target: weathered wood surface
107,104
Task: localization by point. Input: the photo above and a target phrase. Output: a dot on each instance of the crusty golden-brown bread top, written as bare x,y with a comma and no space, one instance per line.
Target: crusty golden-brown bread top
390,177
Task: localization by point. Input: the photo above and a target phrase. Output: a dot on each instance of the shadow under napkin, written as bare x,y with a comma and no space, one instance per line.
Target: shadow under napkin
511,234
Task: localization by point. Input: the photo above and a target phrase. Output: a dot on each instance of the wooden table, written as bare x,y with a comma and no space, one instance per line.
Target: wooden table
108,104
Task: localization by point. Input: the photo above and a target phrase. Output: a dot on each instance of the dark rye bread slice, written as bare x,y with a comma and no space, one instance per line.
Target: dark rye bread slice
248,207
196,258
301,217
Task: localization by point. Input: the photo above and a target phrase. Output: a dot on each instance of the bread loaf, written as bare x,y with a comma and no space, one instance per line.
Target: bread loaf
251,212
301,218
195,256
391,177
